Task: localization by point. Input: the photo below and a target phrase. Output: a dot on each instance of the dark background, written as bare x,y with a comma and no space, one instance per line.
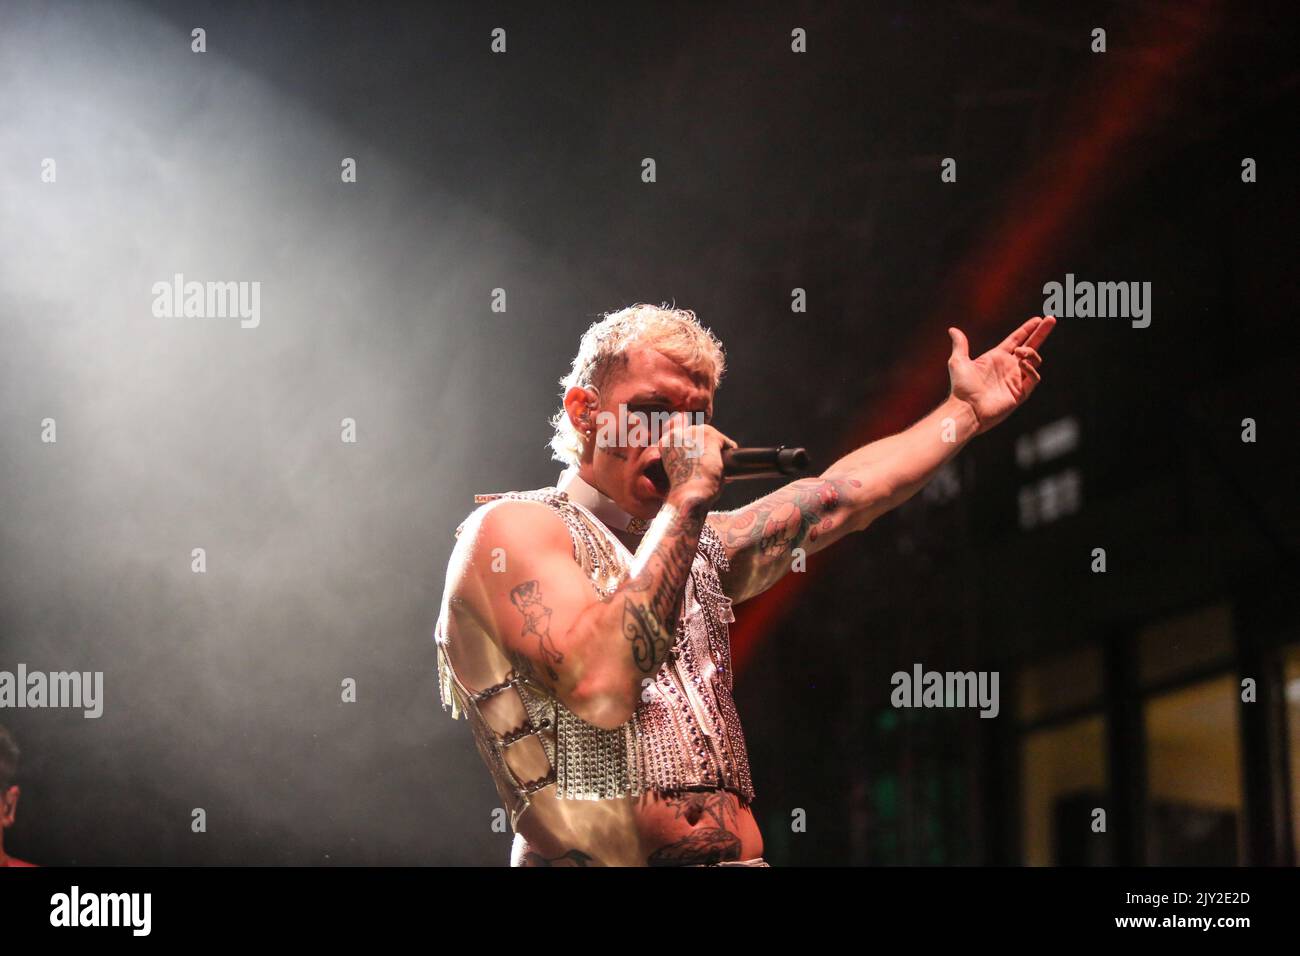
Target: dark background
521,171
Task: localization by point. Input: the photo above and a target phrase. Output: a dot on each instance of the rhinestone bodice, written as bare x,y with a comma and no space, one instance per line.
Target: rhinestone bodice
684,733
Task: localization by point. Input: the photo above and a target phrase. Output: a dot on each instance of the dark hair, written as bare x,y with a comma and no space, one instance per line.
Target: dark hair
9,754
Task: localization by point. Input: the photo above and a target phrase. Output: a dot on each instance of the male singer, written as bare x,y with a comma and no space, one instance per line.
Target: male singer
583,629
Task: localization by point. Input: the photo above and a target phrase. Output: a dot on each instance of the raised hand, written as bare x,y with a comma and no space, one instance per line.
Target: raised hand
999,381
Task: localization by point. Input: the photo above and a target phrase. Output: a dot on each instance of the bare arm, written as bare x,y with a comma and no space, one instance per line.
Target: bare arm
813,513
545,615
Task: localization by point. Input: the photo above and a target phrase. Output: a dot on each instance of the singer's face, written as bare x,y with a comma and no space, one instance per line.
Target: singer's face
625,462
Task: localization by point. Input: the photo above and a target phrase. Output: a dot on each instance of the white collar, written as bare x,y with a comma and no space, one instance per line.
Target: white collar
599,504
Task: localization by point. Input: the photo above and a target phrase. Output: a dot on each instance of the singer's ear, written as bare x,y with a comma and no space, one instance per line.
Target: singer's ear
581,404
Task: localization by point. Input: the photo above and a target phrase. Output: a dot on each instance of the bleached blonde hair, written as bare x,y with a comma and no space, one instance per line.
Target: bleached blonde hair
677,333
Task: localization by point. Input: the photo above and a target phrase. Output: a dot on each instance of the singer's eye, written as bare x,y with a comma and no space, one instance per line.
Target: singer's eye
647,415
638,421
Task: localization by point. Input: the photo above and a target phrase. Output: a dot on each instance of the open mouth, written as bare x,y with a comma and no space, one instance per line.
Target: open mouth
657,476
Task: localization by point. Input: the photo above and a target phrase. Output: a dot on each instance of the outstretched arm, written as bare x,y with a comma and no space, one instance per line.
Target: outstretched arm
812,513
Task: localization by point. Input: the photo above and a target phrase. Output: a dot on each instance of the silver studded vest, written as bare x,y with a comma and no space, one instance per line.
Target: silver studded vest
685,732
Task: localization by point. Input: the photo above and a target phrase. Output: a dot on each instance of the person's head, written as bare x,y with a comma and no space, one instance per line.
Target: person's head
645,361
8,782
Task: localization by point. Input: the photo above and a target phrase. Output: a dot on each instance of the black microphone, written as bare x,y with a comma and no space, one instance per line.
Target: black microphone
738,463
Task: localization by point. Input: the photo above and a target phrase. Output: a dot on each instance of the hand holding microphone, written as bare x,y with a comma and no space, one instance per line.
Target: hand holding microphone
701,457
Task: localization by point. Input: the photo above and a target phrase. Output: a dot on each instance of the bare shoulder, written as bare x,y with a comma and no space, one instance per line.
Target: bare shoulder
513,523
500,535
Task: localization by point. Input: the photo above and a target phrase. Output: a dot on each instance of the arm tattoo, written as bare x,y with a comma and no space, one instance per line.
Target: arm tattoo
774,526
649,616
647,635
527,597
